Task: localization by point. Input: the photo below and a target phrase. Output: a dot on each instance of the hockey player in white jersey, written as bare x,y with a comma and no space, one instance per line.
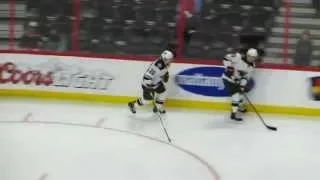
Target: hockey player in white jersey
153,84
238,71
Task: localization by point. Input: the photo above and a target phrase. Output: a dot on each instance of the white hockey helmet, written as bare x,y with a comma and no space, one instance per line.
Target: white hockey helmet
167,56
252,55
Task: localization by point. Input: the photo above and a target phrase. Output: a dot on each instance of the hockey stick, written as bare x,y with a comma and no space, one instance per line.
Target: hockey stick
258,114
161,120
164,128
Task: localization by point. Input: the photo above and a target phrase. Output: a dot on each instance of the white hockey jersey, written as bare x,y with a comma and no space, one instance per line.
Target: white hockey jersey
242,68
156,73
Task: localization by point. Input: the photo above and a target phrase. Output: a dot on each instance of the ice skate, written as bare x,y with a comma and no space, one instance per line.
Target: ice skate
235,118
156,110
132,108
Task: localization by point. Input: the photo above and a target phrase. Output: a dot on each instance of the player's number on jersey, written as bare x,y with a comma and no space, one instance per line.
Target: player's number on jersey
151,71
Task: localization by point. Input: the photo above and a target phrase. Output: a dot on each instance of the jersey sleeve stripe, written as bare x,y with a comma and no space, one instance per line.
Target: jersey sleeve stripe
147,77
226,59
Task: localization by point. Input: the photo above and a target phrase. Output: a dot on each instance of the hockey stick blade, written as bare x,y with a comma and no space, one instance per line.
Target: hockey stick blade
164,128
272,128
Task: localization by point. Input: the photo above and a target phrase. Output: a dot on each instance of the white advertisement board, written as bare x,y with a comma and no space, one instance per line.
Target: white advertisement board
123,78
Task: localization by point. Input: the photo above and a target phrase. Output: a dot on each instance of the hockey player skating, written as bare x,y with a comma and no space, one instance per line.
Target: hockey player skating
238,71
153,84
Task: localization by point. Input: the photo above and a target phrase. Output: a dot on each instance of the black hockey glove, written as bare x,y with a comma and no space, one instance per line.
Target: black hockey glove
166,77
229,71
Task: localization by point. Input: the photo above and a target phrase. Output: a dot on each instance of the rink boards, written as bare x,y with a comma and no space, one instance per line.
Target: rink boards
193,85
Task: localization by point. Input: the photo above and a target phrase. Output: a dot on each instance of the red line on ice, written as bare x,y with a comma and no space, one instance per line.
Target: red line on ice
27,117
100,122
215,175
43,176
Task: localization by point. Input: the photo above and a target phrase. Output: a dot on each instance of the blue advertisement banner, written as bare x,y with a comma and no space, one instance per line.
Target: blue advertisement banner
204,81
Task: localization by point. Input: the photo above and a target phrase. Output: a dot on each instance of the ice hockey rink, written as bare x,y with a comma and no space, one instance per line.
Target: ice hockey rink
57,140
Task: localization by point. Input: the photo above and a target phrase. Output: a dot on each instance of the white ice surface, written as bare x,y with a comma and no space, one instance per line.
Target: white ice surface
70,151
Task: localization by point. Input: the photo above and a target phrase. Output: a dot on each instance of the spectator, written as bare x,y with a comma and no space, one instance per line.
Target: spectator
52,40
193,15
316,4
190,14
31,38
304,50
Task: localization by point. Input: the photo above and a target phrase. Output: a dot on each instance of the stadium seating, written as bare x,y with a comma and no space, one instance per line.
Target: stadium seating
145,26
231,19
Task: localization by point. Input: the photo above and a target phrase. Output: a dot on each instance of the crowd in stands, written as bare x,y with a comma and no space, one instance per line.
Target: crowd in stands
47,25
148,26
105,25
212,27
